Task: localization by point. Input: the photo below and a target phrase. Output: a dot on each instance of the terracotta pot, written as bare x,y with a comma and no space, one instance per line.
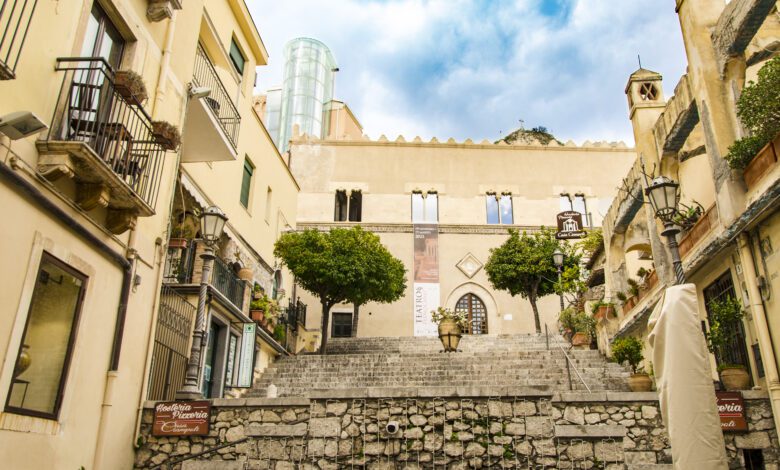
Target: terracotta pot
257,315
760,165
449,334
630,303
735,378
607,311
177,243
246,274
580,340
640,383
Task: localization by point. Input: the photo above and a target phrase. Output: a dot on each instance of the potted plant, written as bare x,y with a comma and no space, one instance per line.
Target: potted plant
629,349
130,86
166,135
568,323
725,315
258,308
451,325
585,327
758,108
280,334
603,309
687,216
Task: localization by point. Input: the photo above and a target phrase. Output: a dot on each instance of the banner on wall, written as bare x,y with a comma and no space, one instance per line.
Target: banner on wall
426,288
246,365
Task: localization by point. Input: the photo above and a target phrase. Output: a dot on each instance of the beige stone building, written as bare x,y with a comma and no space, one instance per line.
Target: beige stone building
730,248
86,331
458,199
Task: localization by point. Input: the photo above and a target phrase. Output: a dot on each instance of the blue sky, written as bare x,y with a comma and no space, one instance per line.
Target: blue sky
474,69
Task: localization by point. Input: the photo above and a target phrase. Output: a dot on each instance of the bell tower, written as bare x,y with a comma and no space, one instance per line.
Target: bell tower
645,104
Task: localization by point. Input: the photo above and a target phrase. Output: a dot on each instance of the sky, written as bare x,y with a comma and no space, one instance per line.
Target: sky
480,69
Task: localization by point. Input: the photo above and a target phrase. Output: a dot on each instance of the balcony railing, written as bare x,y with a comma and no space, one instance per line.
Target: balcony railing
180,267
295,314
91,111
218,100
15,18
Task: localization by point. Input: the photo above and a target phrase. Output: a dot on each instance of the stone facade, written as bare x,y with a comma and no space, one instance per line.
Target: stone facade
566,430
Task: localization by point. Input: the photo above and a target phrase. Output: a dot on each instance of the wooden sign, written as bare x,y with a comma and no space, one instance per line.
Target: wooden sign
731,409
570,226
182,418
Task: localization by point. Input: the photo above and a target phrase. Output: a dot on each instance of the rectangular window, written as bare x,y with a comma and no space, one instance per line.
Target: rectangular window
246,182
565,202
736,351
491,201
355,206
231,359
269,198
342,325
505,206
237,57
340,210
43,360
431,207
418,207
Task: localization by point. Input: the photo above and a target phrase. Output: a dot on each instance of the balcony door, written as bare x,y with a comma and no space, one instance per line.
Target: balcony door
102,38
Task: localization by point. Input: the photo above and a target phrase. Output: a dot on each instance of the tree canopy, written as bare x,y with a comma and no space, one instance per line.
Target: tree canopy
523,265
342,265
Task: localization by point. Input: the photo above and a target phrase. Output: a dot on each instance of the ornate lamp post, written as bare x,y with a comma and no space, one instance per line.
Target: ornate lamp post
212,223
558,257
664,196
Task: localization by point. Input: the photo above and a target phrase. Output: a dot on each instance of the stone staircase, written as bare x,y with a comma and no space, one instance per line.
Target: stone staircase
495,364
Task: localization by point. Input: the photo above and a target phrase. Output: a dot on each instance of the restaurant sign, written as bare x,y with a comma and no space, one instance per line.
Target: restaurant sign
182,418
731,409
570,226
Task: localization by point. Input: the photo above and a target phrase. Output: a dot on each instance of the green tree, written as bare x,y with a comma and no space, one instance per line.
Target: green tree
524,265
342,265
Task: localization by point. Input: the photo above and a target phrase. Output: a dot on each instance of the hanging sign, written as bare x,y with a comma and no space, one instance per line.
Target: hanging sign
570,226
182,418
246,365
731,408
426,278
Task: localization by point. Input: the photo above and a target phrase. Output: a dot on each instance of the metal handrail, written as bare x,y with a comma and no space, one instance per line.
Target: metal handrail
168,464
220,103
570,363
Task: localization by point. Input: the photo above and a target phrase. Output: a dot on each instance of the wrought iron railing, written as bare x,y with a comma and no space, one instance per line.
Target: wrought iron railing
91,110
295,313
180,266
225,280
170,354
204,75
15,18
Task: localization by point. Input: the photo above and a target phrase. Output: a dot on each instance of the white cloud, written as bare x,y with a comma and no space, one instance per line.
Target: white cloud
469,69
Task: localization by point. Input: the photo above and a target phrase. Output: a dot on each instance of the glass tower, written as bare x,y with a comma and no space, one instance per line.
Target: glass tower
309,72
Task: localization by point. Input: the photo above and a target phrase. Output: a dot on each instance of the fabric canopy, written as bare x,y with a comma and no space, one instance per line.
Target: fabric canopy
682,369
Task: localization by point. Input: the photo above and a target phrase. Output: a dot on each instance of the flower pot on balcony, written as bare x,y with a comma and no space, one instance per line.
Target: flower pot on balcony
761,164
735,378
629,304
178,243
640,382
130,86
605,311
257,315
580,340
166,135
246,274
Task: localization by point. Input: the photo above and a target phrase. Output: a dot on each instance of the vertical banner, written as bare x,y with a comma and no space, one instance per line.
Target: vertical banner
246,365
426,278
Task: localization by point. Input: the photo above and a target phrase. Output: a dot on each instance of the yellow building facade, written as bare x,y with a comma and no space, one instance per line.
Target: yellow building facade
94,198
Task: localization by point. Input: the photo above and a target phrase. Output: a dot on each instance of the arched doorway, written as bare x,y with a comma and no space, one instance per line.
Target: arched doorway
476,313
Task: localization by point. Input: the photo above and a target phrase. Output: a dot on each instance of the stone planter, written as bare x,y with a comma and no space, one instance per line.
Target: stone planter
735,378
640,383
580,340
761,163
449,334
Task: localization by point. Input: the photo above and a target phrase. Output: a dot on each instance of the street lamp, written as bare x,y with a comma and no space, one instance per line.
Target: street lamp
558,257
664,195
212,223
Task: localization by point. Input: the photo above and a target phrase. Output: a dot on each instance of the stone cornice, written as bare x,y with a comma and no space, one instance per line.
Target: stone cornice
409,228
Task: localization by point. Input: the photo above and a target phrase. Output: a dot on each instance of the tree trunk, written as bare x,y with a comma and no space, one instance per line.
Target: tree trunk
355,318
325,320
532,299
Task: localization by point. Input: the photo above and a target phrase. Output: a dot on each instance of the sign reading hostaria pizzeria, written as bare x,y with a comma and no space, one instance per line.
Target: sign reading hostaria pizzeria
731,409
181,418
570,226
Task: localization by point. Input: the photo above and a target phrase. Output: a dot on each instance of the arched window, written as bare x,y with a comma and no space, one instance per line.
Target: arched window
476,313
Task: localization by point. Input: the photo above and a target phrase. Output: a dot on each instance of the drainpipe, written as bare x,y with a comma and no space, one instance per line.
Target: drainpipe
165,64
762,327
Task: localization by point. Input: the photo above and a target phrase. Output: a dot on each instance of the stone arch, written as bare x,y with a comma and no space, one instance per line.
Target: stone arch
473,288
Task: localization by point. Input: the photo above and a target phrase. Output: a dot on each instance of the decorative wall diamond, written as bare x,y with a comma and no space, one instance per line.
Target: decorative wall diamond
469,265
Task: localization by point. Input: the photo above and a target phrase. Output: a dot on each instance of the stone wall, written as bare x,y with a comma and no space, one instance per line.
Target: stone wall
567,430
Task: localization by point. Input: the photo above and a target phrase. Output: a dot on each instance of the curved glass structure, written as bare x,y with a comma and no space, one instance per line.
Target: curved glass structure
309,71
